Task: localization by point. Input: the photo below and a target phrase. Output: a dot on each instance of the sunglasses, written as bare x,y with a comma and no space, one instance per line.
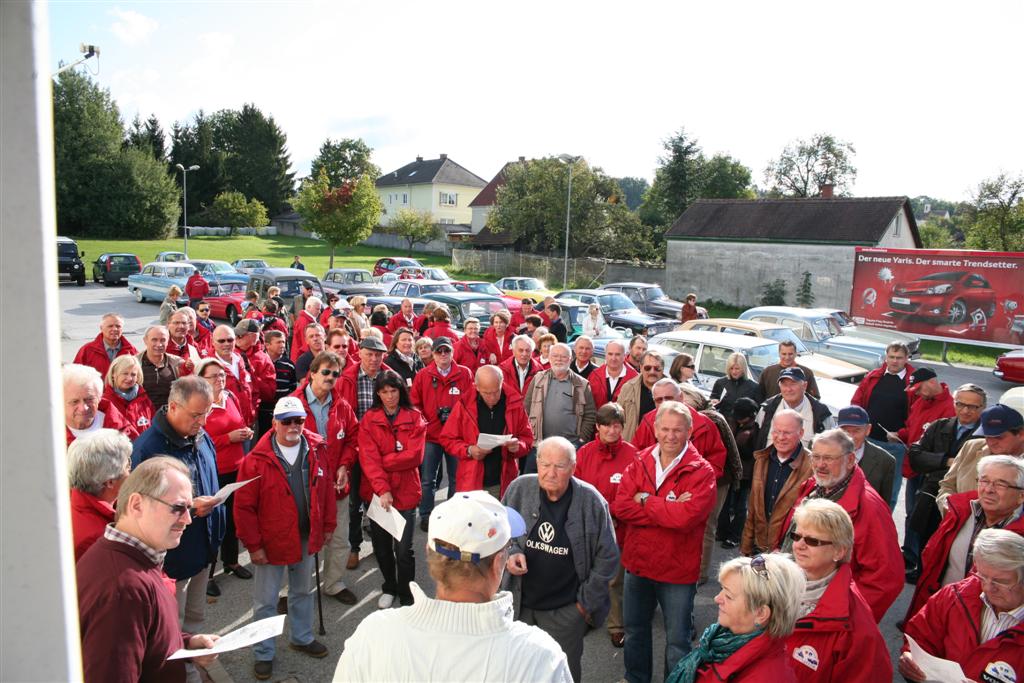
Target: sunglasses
329,373
649,368
444,350
809,540
292,421
204,310
178,509
690,367
760,566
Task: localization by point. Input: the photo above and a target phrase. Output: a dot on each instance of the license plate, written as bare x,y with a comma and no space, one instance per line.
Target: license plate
901,300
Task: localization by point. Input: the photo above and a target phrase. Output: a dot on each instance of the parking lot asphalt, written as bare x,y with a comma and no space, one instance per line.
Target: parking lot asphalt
81,309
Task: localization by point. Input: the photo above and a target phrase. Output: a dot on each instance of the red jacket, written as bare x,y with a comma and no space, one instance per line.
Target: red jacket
501,349
839,640
265,513
299,334
89,517
219,423
508,370
138,414
182,351
342,429
112,419
468,356
390,455
924,411
599,386
704,436
196,287
867,385
242,386
204,340
877,558
440,328
94,354
461,432
398,321
949,625
602,465
935,556
432,391
274,323
345,387
264,376
762,660
663,537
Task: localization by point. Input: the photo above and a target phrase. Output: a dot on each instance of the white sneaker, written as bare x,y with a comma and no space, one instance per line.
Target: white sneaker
385,601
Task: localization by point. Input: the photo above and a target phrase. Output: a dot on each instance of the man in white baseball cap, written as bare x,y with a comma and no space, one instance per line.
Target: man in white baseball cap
468,631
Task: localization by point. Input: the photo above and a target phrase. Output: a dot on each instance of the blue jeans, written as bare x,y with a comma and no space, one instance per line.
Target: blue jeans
431,467
641,597
266,584
898,451
911,539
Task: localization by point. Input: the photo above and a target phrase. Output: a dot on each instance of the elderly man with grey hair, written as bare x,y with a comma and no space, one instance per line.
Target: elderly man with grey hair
159,368
998,503
108,345
560,403
560,569
97,465
837,477
85,409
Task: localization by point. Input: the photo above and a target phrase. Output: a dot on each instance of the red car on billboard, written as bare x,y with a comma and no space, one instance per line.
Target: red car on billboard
949,296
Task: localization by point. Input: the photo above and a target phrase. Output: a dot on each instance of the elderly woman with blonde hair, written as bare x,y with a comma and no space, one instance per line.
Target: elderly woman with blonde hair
170,304
123,390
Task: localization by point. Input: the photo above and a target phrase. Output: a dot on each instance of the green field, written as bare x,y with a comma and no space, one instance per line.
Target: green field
279,250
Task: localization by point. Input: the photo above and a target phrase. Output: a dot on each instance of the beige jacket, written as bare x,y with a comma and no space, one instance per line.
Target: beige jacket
583,400
629,399
963,475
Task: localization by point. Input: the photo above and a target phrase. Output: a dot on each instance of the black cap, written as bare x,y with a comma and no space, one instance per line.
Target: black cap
307,284
795,373
921,375
441,342
744,407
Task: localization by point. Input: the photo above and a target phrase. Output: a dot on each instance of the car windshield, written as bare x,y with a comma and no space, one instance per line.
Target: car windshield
484,288
67,250
951,277
614,302
826,327
227,288
530,283
654,293
219,267
122,260
784,334
482,310
439,287
760,357
437,274
289,288
173,256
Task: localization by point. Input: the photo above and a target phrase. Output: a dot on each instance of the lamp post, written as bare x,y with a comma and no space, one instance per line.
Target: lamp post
568,160
184,199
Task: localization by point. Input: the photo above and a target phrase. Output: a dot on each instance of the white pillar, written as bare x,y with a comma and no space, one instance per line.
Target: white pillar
38,600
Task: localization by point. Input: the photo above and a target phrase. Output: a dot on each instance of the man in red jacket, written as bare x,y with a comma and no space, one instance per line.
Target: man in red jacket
283,518
239,381
606,382
180,344
406,317
261,368
108,345
97,467
665,498
518,321
520,369
85,409
876,562
196,289
308,316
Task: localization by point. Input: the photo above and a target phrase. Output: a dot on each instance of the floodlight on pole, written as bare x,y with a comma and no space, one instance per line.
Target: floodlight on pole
184,199
569,160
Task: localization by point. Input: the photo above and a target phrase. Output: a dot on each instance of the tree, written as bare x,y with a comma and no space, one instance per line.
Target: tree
342,216
774,293
804,295
230,209
193,145
257,159
415,227
935,235
148,137
806,165
346,159
726,178
998,214
139,198
633,189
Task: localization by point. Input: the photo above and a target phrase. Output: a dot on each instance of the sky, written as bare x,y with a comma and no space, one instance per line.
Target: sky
928,93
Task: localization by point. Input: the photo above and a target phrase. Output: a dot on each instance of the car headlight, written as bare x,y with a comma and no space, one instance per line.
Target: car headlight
74,266
940,289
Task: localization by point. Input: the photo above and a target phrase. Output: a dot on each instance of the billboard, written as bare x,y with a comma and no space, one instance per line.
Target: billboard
946,294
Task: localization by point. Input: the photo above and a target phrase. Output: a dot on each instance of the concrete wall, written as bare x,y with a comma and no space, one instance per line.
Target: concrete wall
585,272
735,272
290,228
401,246
480,214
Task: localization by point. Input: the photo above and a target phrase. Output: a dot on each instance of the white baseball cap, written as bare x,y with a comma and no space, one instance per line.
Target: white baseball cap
289,406
476,523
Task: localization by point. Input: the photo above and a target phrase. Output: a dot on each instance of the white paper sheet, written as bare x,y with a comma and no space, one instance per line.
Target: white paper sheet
228,489
193,355
391,520
249,634
936,669
490,441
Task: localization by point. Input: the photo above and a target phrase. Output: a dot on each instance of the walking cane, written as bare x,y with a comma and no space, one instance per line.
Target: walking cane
319,599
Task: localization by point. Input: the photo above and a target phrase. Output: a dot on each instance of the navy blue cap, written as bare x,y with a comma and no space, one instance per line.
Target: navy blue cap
794,373
853,416
998,419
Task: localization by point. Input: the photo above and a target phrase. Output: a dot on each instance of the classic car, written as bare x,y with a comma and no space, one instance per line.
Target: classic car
288,279
851,329
416,287
462,305
1010,366
523,288
218,272
112,269
347,282
619,312
651,299
226,301
155,279
481,287
389,263
415,273
247,265
170,257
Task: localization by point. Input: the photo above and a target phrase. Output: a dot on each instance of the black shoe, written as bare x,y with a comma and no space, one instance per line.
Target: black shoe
239,571
314,649
263,670
913,575
729,544
424,523
345,597
212,589
282,605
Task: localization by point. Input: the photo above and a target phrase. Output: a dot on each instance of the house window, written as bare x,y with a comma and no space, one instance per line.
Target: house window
447,221
405,198
896,230
448,198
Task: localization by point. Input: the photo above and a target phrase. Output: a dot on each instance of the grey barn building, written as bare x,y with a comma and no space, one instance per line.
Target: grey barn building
727,249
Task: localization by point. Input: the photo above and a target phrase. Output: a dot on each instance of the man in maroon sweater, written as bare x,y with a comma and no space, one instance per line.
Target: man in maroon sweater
128,614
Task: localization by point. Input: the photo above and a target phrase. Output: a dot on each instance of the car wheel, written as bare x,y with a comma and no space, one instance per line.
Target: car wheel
957,312
139,297
81,280
95,279
232,315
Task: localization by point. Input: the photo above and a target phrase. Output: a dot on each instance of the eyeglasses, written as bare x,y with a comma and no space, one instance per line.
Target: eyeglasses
219,375
290,421
328,373
178,509
809,540
826,458
649,368
224,341
968,406
1002,585
204,310
998,484
663,398
444,351
759,566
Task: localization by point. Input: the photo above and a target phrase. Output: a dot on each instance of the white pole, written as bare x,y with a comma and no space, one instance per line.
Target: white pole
568,210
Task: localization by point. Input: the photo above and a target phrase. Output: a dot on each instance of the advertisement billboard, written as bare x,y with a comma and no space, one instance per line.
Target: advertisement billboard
945,294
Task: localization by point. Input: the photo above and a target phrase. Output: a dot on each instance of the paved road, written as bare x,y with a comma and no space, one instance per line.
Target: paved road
81,309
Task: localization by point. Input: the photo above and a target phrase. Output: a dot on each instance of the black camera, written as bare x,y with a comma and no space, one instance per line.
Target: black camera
442,414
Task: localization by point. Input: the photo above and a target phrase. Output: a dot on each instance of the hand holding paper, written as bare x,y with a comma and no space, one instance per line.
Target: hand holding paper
935,668
489,442
391,520
228,489
239,638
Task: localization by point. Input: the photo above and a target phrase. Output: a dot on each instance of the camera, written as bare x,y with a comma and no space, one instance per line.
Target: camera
442,414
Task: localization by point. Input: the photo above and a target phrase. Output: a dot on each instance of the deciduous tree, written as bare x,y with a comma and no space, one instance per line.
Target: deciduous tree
805,165
998,214
633,190
346,159
342,216
417,227
232,210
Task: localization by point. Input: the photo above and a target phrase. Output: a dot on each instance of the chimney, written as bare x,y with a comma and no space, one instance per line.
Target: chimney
522,159
825,190
419,158
443,157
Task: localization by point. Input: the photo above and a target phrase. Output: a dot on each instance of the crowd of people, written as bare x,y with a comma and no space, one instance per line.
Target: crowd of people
578,497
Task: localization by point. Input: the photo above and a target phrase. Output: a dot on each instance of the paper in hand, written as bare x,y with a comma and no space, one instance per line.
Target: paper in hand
936,669
391,520
249,634
228,489
487,442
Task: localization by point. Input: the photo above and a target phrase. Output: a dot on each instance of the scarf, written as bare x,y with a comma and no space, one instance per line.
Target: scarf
833,494
813,592
717,644
128,395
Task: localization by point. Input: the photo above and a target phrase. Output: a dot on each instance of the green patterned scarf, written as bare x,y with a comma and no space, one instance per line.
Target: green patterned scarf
716,645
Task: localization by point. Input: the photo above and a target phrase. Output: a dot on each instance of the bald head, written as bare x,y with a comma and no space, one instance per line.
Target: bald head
488,383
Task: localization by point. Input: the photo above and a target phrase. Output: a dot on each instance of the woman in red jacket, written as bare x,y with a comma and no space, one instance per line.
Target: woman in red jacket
123,390
228,430
498,338
441,325
469,351
391,439
756,613
836,637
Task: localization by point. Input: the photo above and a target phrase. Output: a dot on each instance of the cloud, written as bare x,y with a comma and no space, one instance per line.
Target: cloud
131,27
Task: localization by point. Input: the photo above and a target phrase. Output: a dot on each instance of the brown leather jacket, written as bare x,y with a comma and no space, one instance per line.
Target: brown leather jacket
759,534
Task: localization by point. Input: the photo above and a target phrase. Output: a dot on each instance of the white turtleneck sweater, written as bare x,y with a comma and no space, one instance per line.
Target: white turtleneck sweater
438,640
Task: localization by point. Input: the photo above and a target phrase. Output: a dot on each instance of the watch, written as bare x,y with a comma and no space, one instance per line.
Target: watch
644,497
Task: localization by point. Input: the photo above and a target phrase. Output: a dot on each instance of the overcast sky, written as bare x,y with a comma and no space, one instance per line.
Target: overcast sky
929,93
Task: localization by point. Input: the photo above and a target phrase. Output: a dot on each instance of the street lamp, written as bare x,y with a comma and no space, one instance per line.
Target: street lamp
184,199
569,160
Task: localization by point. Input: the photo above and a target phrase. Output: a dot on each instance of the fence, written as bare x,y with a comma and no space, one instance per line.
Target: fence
582,272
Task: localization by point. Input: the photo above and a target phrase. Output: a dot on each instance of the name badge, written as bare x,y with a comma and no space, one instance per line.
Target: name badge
454,391
398,447
671,496
616,478
143,421
341,433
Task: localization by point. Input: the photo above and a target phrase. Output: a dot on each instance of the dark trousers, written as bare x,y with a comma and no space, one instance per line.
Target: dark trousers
229,546
734,514
355,508
264,421
395,558
567,626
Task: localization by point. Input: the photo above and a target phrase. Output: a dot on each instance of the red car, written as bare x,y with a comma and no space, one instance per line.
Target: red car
481,287
1010,366
951,297
226,301
389,263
